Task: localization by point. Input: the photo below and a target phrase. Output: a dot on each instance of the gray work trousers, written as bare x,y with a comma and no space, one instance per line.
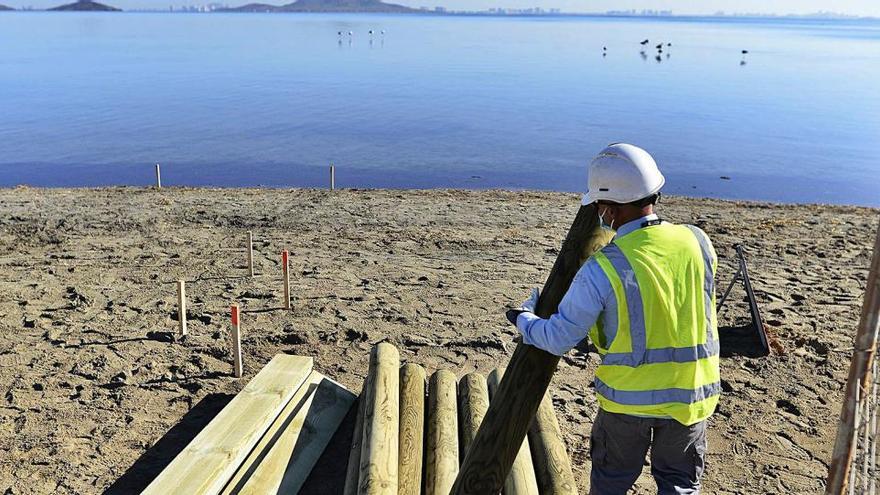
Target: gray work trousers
619,444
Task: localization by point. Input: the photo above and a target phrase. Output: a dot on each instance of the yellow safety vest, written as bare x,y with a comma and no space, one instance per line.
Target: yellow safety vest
662,359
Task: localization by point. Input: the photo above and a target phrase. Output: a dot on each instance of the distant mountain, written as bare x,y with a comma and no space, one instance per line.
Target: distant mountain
344,6
326,6
253,7
86,6
3,7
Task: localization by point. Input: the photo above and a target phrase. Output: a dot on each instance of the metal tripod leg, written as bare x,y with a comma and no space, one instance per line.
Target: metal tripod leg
753,304
742,275
733,282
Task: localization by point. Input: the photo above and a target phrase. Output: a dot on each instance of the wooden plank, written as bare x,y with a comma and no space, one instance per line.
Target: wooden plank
521,479
528,375
552,464
352,473
441,465
412,429
284,457
473,402
213,456
378,466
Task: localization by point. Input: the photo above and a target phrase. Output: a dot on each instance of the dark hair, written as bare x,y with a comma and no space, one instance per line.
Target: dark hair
650,200
639,203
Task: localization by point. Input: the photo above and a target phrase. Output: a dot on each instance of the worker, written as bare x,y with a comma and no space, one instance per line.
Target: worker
647,302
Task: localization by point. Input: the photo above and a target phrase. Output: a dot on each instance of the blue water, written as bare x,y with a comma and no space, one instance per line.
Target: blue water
254,99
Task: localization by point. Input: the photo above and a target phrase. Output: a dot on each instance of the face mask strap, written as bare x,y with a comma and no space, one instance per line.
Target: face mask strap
602,220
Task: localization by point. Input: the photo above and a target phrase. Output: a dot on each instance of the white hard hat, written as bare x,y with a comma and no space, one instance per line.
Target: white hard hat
622,173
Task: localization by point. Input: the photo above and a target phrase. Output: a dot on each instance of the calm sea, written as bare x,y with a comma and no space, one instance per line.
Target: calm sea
253,99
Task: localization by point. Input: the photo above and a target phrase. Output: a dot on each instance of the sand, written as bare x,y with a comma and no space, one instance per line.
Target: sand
96,393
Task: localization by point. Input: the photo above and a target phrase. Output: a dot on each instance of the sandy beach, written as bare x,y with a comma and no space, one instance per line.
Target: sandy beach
97,394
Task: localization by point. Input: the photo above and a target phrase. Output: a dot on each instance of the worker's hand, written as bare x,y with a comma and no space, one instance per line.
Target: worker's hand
528,306
513,314
532,302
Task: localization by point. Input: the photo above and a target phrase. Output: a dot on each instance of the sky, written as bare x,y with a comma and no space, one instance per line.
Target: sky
854,7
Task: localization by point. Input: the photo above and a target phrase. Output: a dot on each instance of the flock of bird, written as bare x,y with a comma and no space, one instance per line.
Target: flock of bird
660,47
351,33
644,44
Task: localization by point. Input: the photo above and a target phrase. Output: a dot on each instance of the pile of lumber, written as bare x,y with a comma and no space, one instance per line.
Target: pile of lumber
402,446
267,439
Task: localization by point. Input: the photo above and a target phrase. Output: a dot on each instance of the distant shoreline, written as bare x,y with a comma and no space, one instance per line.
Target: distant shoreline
562,15
197,189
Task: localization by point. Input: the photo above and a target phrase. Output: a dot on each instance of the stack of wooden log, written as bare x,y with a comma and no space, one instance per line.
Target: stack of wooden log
266,440
400,446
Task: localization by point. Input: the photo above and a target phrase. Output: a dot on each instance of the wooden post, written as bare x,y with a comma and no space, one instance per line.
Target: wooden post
441,464
378,466
158,178
285,269
473,401
528,375
859,380
236,342
332,177
412,429
552,464
521,479
250,252
181,307
353,470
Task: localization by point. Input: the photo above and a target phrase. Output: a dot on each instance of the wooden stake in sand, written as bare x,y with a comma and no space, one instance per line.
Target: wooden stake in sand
181,307
859,381
285,269
250,252
332,177
441,450
236,341
412,429
158,178
521,480
379,465
528,375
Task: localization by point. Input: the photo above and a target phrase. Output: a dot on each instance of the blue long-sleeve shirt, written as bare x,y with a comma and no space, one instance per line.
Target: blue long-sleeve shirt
589,298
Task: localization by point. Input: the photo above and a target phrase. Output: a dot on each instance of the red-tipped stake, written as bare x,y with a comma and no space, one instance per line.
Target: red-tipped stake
285,268
236,342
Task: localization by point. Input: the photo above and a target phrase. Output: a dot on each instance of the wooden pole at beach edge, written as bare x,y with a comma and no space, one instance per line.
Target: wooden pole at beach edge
859,380
490,457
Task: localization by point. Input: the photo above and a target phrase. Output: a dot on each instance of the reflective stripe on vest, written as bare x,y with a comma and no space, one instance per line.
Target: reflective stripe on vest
640,355
650,397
